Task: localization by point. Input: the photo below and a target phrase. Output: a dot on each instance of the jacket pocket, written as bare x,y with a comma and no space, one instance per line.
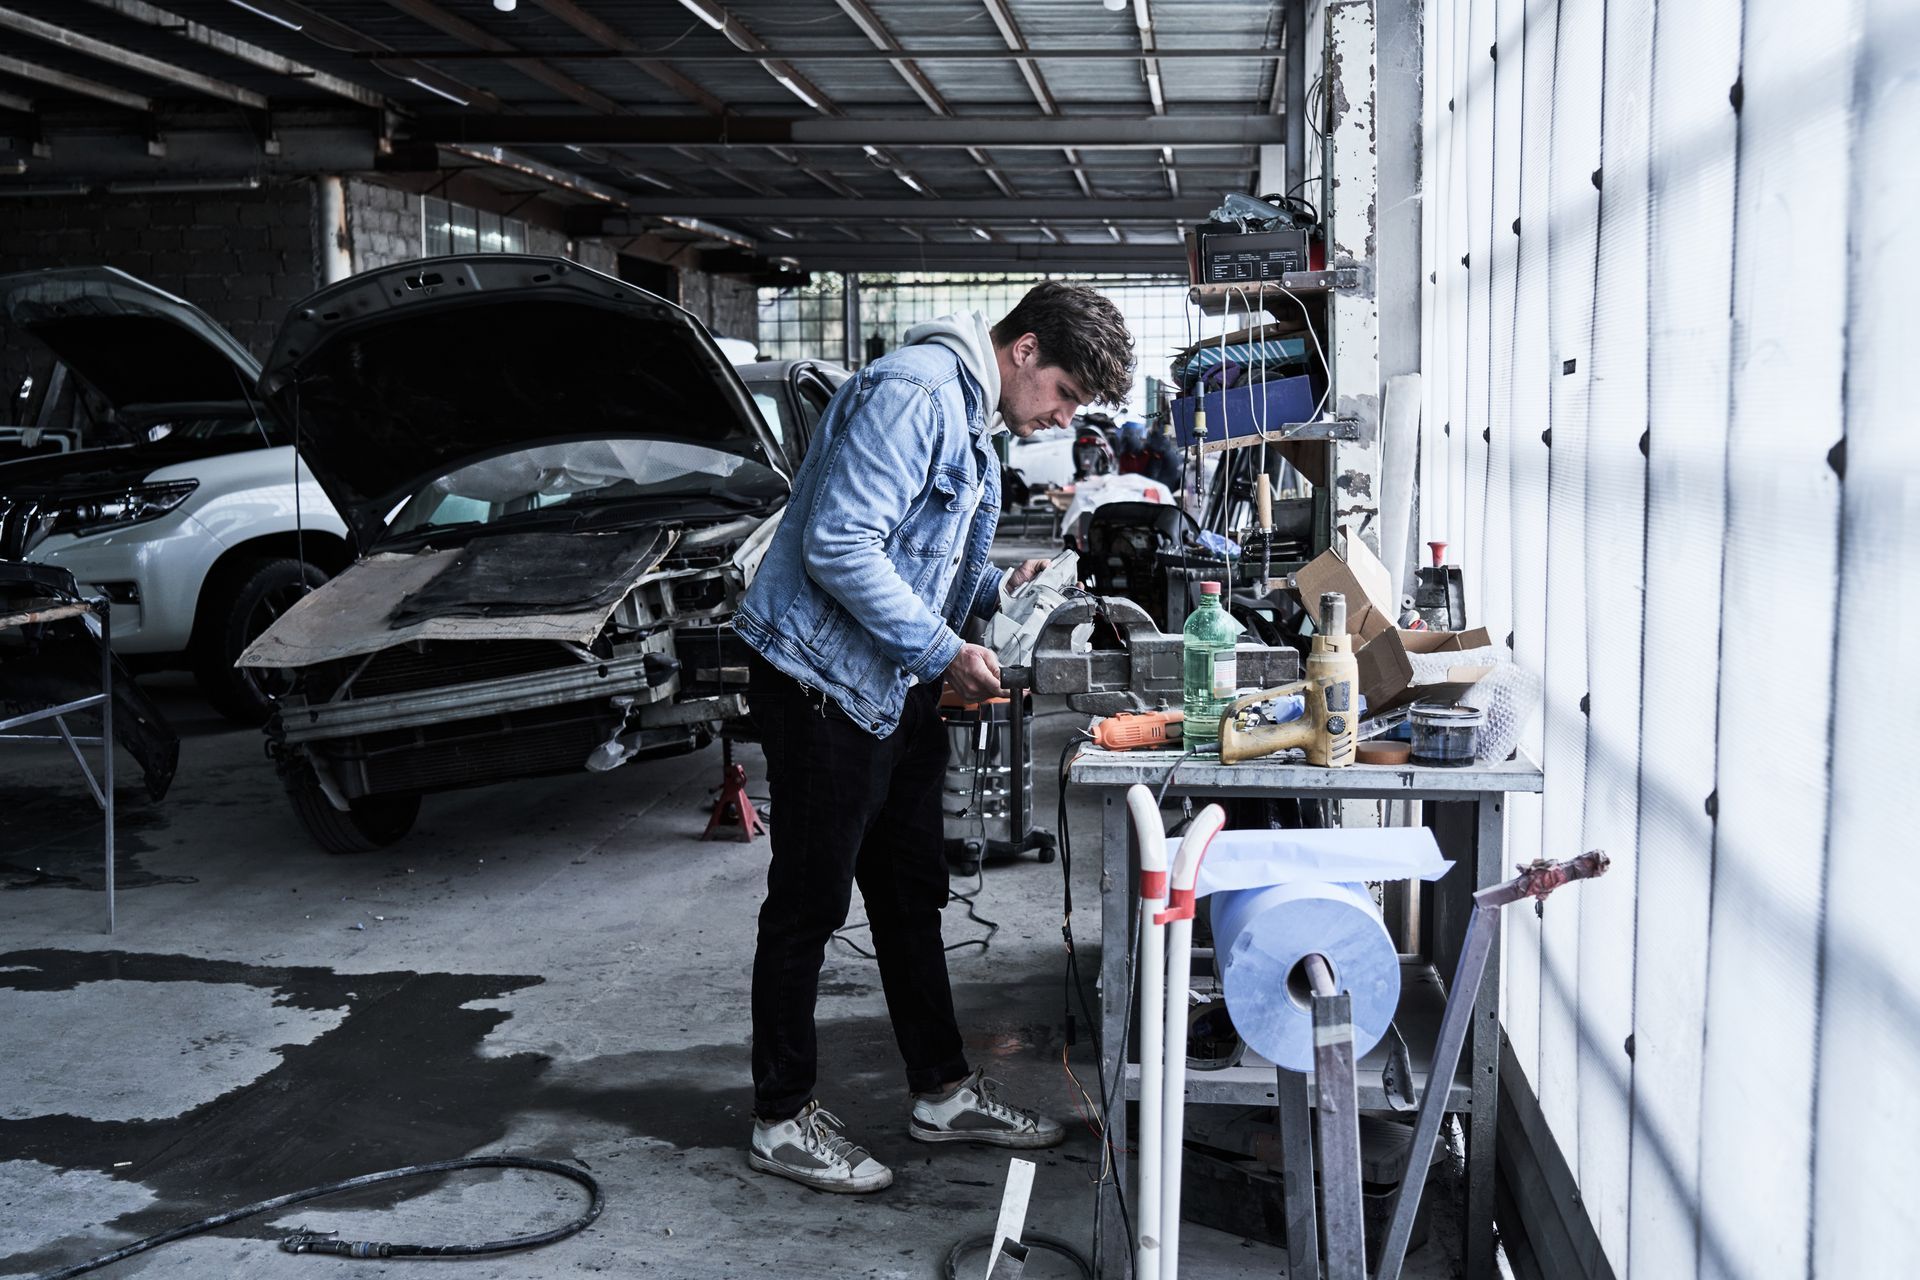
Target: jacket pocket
932,529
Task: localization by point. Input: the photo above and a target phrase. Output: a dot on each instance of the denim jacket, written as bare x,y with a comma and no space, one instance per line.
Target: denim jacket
881,553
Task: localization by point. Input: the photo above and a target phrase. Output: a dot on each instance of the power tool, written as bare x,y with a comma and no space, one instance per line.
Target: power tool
1130,730
1330,729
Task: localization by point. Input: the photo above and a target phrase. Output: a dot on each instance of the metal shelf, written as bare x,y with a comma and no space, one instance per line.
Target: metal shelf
1423,1001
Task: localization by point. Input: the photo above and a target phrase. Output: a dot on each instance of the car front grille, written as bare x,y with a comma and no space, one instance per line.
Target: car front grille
443,664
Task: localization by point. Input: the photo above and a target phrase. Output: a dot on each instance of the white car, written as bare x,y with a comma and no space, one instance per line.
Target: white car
183,507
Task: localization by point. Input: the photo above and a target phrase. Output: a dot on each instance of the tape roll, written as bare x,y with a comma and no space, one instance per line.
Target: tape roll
1261,936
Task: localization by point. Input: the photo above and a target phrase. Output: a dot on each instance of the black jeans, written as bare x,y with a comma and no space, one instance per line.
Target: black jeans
847,807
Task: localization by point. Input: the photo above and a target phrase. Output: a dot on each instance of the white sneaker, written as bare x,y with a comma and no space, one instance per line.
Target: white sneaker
811,1150
974,1112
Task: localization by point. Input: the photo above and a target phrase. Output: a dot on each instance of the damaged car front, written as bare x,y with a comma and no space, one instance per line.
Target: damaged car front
560,489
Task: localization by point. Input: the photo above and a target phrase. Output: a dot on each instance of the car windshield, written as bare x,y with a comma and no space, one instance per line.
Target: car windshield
588,474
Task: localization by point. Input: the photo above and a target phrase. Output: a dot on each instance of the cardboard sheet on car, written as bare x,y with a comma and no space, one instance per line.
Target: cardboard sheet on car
350,615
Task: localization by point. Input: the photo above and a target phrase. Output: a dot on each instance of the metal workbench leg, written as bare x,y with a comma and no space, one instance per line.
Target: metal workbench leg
1116,904
1296,1172
1484,1047
1339,1135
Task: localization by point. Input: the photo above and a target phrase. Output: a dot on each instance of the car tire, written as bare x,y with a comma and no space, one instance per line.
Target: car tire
369,823
258,591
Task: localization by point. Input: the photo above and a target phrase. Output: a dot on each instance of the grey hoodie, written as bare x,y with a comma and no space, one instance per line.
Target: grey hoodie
970,337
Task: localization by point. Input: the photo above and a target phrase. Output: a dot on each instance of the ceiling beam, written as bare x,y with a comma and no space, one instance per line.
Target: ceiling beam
240,50
126,59
629,50
1022,208
533,68
615,45
985,255
1104,132
14,102
321,29
71,83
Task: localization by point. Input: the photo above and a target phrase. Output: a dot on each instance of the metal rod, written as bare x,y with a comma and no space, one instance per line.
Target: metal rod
105,610
86,771
1294,68
848,53
1339,1121
1296,1167
1536,880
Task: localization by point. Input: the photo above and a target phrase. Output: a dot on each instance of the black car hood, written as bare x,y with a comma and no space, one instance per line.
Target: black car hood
98,470
131,342
400,376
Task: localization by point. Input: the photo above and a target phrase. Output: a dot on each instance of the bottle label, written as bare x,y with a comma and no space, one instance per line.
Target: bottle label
1225,672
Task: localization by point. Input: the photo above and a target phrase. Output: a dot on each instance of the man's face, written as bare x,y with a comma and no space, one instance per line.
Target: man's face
1033,395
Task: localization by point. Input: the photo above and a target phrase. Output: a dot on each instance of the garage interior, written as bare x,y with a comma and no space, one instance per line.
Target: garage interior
1563,341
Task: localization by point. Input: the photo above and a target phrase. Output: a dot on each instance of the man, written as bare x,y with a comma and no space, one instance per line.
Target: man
855,613
1132,457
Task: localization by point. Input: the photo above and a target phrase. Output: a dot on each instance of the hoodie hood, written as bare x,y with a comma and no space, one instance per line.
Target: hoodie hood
970,337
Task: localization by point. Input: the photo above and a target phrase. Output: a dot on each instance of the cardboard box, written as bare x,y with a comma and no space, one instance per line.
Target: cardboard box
1386,673
1381,648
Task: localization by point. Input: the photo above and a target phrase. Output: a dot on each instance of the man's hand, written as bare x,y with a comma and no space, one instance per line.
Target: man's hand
1026,573
974,673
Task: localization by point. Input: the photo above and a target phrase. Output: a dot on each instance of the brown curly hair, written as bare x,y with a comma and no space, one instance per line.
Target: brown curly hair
1078,330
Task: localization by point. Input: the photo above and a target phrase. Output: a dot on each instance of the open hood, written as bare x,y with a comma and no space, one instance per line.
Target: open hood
400,376
133,343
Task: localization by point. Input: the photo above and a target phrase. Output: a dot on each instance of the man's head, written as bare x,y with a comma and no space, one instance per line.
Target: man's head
1063,346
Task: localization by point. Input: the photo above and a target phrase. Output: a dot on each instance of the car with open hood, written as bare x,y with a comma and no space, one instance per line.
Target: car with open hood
145,465
560,489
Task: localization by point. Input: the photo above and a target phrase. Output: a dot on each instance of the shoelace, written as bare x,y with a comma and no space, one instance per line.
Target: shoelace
818,1133
987,1090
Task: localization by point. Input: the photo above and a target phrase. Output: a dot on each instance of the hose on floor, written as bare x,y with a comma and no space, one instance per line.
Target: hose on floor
314,1242
1052,1244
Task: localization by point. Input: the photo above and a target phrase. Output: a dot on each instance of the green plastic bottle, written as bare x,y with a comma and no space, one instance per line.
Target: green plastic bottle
1210,676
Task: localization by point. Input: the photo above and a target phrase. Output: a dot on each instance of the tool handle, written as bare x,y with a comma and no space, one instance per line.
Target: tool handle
1238,744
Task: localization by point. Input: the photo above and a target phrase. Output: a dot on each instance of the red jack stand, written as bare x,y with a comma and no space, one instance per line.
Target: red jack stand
731,808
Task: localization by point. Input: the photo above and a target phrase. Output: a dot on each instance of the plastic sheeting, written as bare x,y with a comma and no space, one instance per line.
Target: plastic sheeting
1667,433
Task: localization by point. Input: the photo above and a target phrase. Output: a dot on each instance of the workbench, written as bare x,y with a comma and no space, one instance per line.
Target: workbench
1466,809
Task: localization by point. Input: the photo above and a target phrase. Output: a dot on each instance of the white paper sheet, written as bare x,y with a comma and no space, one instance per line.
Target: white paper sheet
1251,859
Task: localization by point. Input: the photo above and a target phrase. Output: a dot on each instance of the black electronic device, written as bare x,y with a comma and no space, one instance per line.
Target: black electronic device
1227,255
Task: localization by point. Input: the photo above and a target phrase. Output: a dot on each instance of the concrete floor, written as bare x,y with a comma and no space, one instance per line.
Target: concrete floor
555,968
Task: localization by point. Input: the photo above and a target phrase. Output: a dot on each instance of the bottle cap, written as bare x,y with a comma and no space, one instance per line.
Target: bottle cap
1209,588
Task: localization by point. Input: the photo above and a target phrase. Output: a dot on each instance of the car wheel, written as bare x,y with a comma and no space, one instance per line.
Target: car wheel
261,591
369,823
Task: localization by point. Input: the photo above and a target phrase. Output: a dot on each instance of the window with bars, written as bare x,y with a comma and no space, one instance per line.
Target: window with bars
809,321
448,227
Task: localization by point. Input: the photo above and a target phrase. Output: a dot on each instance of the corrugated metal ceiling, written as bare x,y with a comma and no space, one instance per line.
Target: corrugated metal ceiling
711,71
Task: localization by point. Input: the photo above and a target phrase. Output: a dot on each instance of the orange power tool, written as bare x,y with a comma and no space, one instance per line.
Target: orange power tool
1131,730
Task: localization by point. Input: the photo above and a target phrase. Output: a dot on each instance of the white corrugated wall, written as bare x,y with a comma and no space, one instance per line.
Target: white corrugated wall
1668,429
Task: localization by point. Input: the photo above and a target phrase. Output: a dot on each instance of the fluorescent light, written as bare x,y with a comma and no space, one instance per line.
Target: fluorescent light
788,83
454,98
1153,88
977,231
873,152
45,189
909,180
504,6
175,186
782,232
1114,6
711,14
270,17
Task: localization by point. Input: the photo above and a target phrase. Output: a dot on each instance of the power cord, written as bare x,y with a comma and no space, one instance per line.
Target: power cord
324,1242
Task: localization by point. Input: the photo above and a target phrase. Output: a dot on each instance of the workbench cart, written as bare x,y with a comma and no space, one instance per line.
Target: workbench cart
1466,809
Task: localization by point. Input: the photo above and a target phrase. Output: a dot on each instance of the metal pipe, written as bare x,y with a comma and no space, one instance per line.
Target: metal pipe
1179,914
1294,68
1151,835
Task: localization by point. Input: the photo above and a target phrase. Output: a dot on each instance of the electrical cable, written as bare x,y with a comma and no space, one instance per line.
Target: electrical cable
317,1242
950,1269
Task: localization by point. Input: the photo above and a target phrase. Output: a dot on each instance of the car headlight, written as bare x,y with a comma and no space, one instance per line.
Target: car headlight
98,512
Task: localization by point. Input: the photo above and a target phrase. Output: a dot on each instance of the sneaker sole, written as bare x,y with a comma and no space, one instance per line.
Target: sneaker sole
1017,1141
841,1186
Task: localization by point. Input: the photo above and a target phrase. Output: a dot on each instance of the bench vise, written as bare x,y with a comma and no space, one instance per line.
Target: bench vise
1105,654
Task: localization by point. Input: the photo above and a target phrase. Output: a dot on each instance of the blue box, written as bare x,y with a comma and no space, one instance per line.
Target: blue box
1277,401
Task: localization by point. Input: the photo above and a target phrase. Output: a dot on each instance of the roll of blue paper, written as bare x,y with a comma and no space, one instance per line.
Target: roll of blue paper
1261,937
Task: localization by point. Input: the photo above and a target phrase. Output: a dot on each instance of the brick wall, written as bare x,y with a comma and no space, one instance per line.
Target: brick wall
243,257
383,224
729,307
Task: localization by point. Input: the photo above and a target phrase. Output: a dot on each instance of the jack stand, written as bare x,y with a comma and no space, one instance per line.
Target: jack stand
732,808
